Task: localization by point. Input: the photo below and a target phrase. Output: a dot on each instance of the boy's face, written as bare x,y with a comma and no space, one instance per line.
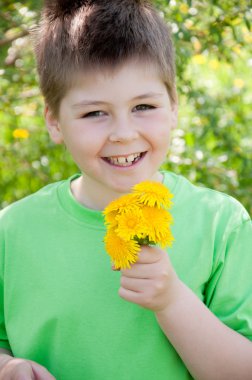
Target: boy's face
116,124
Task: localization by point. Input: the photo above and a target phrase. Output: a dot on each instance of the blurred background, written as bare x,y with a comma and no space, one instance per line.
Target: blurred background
212,145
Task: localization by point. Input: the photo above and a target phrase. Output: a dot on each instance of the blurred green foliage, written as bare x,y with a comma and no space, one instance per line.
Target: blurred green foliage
212,145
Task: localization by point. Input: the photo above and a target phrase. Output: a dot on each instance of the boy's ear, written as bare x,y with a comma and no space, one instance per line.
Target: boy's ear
53,126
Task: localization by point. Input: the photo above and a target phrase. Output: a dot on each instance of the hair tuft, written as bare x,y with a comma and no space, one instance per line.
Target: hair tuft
74,36
61,8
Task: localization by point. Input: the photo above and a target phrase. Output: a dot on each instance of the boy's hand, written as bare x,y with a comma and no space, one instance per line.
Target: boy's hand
151,282
20,369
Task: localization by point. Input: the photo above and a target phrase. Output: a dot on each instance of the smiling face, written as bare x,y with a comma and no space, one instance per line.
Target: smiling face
116,124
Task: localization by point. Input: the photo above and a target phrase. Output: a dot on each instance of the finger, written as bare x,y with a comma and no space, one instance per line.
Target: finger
115,269
149,255
41,373
130,296
134,284
19,368
139,271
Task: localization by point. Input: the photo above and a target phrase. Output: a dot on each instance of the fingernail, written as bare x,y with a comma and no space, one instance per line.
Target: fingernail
115,269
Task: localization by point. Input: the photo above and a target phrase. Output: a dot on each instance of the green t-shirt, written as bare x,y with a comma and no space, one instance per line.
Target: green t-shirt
59,303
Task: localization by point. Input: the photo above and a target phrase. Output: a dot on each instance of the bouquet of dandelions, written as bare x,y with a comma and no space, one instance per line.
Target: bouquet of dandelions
135,219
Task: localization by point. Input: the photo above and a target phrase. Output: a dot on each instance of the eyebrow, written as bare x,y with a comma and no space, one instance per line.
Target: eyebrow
90,102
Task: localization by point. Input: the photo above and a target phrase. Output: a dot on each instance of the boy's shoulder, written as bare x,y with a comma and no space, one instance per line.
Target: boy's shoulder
44,198
197,199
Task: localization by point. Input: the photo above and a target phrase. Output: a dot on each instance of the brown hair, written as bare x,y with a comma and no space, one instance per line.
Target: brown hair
74,35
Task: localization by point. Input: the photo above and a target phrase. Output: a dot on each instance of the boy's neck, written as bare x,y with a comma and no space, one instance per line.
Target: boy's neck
97,197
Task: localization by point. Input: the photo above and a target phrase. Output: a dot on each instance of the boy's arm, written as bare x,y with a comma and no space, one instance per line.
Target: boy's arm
19,369
209,349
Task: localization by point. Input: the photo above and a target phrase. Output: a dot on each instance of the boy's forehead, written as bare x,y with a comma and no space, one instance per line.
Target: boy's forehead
93,76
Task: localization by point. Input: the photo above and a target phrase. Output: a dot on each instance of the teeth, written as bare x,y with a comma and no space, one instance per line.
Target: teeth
131,158
121,160
124,161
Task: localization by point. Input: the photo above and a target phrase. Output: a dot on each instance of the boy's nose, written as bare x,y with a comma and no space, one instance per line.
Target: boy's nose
123,131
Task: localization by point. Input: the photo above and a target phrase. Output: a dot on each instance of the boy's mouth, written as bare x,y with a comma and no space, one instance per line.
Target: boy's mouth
129,160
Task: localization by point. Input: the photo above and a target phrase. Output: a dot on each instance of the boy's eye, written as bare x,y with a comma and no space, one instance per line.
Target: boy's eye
94,114
143,107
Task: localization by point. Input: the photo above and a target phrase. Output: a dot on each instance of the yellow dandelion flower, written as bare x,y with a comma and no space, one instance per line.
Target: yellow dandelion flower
239,83
123,253
130,224
21,133
156,216
166,239
110,218
158,230
153,194
124,203
139,218
214,64
184,8
199,59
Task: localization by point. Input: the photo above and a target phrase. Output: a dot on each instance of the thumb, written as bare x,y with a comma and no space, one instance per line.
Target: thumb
41,372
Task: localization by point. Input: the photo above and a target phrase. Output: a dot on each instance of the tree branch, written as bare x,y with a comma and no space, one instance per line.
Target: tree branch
6,41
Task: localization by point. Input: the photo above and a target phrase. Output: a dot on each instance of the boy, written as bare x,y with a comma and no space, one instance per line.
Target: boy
107,74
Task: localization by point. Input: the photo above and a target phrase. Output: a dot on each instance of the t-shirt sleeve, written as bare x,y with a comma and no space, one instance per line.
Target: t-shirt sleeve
4,343
229,290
